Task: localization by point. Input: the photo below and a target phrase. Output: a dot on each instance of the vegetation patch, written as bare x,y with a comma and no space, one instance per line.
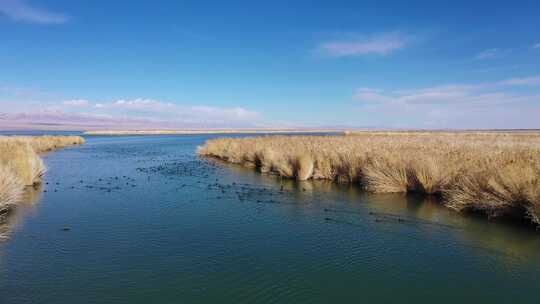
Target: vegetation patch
493,173
21,166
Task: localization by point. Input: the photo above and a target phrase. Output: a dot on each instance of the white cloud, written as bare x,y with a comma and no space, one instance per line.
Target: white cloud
536,46
137,104
20,10
168,110
55,119
492,54
381,44
484,105
527,81
130,113
76,103
483,93
371,95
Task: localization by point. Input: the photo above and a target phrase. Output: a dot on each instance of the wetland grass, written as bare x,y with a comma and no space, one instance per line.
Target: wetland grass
493,173
20,163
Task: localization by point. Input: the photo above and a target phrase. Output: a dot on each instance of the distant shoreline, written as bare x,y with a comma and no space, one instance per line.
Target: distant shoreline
307,131
190,132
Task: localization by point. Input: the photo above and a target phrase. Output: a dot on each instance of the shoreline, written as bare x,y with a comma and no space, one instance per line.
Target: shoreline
21,165
494,174
344,131
197,132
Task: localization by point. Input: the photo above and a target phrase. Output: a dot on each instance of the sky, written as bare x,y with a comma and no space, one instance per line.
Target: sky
269,64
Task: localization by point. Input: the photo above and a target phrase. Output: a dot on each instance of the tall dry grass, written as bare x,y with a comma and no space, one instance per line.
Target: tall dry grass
42,144
11,187
497,174
21,165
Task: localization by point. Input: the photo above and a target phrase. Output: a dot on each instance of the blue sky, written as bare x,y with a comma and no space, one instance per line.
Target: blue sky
196,64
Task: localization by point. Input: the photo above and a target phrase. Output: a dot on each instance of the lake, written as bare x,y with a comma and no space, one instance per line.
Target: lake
142,219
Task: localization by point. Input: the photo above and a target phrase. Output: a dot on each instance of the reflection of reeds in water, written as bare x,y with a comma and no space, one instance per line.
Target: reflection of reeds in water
515,244
21,166
496,174
27,199
10,188
510,243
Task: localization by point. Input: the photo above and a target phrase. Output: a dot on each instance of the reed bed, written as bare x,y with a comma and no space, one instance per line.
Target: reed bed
21,164
493,173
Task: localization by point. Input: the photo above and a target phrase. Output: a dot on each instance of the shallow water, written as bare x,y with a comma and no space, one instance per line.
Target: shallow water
144,220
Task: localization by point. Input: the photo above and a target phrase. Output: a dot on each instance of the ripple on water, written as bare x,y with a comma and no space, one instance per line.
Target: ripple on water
150,221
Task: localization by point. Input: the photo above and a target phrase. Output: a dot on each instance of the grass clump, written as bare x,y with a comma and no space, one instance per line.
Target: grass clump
494,173
10,188
21,165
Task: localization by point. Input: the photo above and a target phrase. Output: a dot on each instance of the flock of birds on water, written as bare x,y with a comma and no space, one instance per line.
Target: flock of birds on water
200,174
189,171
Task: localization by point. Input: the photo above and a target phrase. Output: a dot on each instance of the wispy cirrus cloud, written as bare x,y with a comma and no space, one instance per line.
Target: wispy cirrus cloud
482,93
359,45
499,104
536,46
526,81
493,53
22,11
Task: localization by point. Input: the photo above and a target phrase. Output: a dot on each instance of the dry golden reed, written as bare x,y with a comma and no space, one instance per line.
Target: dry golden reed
21,165
495,173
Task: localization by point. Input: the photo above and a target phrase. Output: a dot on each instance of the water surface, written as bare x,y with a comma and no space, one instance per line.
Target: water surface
143,220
